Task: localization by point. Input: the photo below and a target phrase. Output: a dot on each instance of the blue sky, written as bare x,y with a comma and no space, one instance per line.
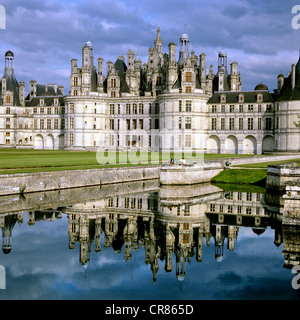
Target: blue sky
45,35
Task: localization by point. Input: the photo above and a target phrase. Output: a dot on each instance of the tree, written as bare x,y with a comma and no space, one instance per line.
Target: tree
297,123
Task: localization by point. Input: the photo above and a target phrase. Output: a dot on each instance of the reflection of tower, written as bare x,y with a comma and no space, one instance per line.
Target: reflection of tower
72,229
219,243
84,240
232,235
98,231
7,224
130,237
151,255
180,265
111,229
154,264
170,240
200,244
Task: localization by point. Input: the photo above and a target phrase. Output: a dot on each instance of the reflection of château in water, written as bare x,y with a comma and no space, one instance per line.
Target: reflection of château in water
173,221
7,223
165,222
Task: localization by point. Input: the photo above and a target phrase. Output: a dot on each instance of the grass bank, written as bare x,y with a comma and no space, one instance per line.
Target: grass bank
241,176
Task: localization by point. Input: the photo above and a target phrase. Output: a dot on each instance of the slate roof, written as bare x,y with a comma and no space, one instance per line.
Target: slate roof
121,68
49,101
249,96
287,92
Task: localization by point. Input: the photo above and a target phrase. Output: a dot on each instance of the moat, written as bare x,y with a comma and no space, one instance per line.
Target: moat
141,241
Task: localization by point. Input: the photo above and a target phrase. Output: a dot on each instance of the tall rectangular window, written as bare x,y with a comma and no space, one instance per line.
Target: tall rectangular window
71,123
259,123
222,123
141,124
134,108
214,123
141,108
113,83
55,124
188,77
241,123
188,106
231,123
188,123
111,109
250,123
71,139
268,123
49,124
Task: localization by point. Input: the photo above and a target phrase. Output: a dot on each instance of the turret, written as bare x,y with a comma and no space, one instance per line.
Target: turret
184,48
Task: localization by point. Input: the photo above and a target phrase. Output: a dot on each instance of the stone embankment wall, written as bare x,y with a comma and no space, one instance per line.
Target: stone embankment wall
56,180
260,159
279,175
291,212
46,181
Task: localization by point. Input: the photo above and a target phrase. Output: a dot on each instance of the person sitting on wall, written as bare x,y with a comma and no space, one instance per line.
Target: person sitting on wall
171,161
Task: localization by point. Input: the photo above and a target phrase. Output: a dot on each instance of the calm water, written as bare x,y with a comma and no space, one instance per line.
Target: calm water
139,241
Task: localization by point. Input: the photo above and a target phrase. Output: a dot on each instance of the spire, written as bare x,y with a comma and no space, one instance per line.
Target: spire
158,41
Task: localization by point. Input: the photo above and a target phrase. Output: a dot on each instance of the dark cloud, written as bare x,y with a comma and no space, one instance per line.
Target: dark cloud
45,35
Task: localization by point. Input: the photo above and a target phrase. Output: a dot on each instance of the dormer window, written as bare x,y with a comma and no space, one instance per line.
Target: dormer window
241,98
223,98
260,97
42,102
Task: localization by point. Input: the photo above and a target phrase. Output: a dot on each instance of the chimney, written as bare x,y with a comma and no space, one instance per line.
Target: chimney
293,76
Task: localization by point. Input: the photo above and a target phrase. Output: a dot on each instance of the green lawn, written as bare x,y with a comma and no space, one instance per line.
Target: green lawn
24,160
241,176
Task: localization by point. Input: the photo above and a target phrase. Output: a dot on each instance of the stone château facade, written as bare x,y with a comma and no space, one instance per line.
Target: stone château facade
164,104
